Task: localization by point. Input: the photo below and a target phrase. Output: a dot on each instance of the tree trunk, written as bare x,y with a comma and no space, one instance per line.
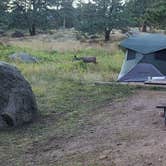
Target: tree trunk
32,30
107,34
64,23
144,27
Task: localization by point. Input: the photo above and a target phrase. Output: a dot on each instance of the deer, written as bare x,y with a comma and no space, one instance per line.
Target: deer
85,59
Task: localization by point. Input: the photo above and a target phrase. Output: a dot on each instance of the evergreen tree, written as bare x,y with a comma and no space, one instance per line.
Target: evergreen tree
100,16
86,19
4,14
156,14
67,13
135,11
28,14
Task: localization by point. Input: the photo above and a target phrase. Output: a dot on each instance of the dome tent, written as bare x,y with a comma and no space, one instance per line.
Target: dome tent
145,57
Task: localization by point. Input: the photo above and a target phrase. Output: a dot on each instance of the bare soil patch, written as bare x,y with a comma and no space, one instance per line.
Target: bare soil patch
125,133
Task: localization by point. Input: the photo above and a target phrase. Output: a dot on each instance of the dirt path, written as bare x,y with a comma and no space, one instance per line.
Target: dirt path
126,133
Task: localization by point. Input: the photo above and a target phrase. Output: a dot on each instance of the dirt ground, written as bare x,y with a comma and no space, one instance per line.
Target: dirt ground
128,132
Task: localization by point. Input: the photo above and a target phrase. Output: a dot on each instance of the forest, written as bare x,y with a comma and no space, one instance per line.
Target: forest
92,16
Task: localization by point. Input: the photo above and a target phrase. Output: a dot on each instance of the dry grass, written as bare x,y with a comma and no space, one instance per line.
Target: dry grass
63,41
61,46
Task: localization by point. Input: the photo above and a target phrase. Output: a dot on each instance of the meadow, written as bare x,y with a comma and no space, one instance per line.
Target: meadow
65,94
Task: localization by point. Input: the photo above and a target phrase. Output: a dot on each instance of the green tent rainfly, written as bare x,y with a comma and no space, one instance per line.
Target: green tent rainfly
145,57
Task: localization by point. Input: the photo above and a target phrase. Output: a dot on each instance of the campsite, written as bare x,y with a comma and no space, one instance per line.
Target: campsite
82,83
84,124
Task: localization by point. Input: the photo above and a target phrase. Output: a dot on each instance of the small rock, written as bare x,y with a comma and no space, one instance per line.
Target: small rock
105,154
118,144
155,122
146,144
91,131
102,157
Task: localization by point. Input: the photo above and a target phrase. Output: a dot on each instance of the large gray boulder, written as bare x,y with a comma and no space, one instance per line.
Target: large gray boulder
17,101
23,57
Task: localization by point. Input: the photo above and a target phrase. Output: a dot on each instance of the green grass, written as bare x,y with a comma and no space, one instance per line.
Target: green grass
65,95
62,64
